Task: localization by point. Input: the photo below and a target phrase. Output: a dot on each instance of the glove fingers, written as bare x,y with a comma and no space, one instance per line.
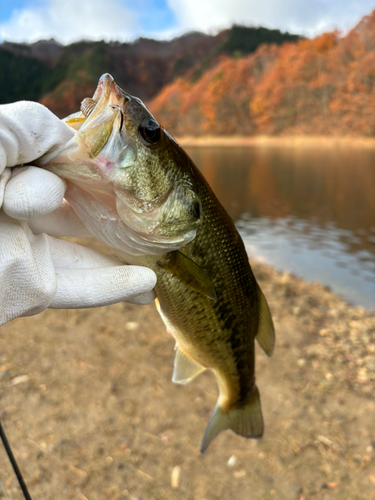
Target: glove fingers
143,298
27,273
81,288
62,222
67,255
27,131
32,192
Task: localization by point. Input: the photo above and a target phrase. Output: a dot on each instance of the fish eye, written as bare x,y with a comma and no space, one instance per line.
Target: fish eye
150,130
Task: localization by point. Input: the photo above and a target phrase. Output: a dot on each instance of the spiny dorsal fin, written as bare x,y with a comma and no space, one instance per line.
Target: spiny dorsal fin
189,273
185,368
266,332
246,421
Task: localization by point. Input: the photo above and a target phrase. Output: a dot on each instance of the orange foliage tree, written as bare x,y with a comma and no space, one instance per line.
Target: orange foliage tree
321,86
219,102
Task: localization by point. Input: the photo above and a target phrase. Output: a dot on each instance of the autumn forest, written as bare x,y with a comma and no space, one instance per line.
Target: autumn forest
320,86
243,81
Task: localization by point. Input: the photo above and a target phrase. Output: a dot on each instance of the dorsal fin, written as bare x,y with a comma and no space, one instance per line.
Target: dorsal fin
187,271
266,332
185,368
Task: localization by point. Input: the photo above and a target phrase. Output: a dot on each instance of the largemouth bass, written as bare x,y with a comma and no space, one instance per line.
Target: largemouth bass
140,194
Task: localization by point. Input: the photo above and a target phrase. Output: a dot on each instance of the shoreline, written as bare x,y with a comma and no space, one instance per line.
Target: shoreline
102,412
284,140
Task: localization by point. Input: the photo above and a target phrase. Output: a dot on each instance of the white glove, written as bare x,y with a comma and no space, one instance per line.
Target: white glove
37,271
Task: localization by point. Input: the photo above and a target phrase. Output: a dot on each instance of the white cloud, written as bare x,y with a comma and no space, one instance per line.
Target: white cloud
308,17
71,20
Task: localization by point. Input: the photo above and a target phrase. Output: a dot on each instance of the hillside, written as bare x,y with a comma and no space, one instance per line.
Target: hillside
320,86
61,76
242,81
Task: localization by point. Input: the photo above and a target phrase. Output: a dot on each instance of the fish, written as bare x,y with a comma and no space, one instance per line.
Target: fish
139,193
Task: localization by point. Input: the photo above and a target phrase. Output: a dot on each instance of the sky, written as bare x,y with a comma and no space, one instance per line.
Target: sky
125,20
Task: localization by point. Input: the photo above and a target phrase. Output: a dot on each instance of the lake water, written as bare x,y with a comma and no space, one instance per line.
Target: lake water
307,210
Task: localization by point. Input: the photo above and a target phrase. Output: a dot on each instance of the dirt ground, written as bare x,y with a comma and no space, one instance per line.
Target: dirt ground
88,404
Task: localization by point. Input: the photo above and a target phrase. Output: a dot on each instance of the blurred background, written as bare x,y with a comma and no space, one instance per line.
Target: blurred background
275,102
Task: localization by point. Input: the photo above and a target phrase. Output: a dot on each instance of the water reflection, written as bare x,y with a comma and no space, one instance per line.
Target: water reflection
307,210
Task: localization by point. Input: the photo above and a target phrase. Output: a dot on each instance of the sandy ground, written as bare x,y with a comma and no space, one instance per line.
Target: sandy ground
280,141
88,404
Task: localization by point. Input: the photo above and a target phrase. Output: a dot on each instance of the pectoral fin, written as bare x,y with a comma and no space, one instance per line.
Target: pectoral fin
185,368
189,273
266,332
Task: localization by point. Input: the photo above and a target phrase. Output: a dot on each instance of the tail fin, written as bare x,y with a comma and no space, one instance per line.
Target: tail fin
246,421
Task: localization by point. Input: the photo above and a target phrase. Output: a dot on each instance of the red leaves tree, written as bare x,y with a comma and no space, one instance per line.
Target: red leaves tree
320,86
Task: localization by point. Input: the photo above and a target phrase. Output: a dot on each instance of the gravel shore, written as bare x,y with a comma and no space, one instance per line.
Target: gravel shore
89,407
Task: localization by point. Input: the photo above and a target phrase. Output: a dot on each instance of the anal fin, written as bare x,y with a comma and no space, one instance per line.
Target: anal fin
185,368
266,332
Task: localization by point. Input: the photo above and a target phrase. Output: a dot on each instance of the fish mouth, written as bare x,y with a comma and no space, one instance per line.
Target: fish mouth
107,93
108,97
107,102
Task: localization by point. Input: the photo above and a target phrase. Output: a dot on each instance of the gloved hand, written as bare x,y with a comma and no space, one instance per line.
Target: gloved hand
37,271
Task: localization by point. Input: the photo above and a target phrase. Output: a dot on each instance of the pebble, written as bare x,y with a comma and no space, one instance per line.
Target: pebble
239,473
131,325
19,380
175,477
332,485
232,461
362,373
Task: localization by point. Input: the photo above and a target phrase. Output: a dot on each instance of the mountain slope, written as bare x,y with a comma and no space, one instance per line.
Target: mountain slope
320,86
242,81
61,76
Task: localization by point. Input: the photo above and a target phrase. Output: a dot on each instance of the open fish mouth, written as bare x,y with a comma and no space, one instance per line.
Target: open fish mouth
106,96
95,120
107,93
